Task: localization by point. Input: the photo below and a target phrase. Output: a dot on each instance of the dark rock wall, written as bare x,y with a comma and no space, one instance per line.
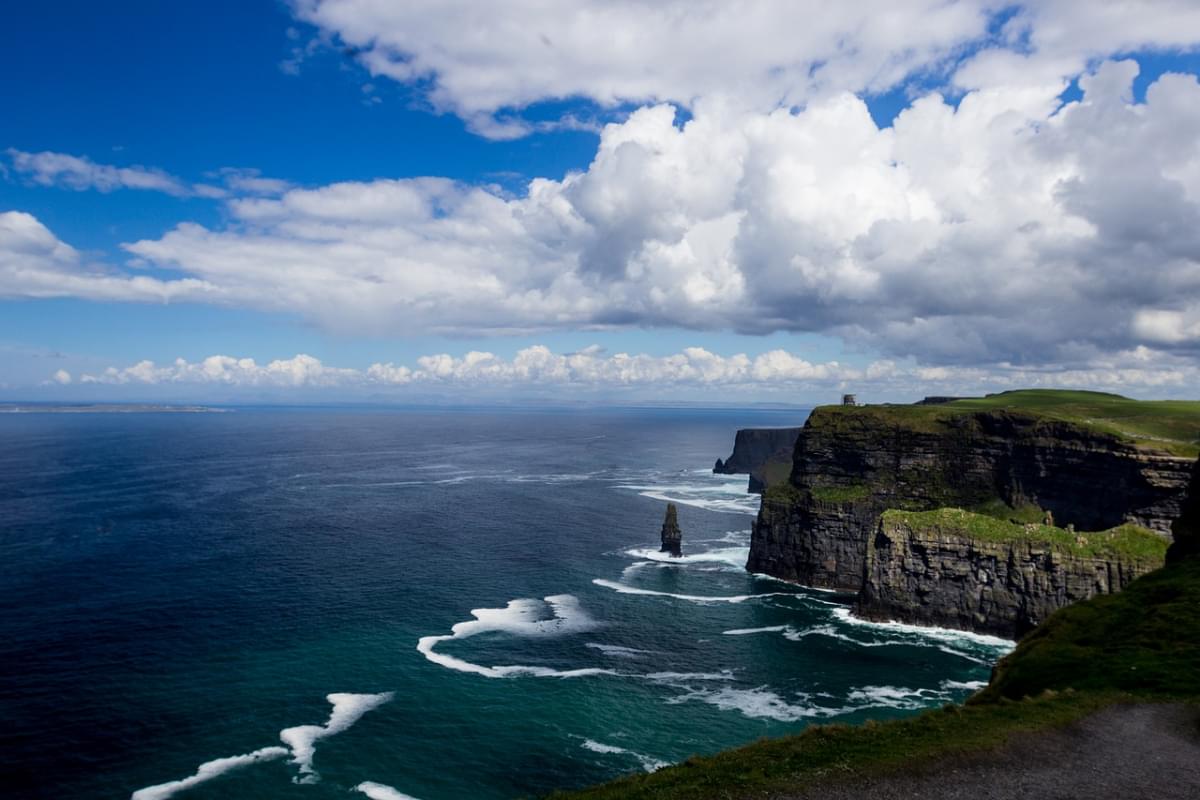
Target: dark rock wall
1186,529
852,464
762,453
1005,589
754,446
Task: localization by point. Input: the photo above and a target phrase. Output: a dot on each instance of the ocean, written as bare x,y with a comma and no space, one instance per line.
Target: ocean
388,603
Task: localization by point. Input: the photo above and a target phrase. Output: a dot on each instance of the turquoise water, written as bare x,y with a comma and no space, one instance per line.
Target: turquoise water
325,603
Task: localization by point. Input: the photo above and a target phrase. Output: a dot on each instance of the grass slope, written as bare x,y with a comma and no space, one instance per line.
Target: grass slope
1172,426
1129,542
1143,643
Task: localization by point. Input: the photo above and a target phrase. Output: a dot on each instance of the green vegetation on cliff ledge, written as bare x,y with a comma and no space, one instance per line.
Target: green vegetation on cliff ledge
1123,541
1143,643
1172,426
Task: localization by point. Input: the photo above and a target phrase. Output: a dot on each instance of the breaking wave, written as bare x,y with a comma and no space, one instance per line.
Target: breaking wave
207,771
521,617
381,791
347,710
693,598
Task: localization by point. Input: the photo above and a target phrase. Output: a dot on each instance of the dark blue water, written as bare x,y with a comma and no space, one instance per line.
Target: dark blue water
179,589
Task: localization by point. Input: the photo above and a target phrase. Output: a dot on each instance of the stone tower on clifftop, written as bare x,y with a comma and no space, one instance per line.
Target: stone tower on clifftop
672,537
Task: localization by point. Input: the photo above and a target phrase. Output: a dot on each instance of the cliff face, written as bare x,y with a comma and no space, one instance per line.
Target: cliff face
764,453
1186,529
947,578
852,464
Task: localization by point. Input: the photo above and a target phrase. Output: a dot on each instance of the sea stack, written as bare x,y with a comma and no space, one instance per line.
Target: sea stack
672,537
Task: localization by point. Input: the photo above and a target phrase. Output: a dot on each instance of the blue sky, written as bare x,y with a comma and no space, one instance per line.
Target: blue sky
770,208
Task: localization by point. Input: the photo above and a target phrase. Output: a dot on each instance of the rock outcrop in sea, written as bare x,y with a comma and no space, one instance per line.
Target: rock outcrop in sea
763,453
672,536
823,528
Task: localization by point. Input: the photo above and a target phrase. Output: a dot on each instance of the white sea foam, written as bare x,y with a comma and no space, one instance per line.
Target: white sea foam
676,678
892,697
347,710
732,556
943,634
207,771
521,617
973,686
759,703
623,588
618,651
649,764
769,629
381,791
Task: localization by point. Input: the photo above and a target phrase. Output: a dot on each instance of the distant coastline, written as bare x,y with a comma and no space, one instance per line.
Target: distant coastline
105,408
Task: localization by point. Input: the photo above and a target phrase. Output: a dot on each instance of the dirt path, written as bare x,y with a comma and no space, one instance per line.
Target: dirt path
1125,752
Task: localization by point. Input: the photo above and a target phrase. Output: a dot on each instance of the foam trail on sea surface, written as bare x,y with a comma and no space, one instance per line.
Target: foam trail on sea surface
943,634
733,556
618,650
347,710
381,791
521,617
207,771
748,631
760,703
693,598
649,764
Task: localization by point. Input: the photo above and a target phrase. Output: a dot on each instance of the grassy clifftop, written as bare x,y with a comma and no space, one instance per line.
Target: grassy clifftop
1172,426
1123,541
1143,643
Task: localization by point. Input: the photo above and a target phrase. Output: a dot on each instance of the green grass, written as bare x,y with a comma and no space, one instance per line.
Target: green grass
840,494
1145,639
1171,426
835,751
1140,645
1128,542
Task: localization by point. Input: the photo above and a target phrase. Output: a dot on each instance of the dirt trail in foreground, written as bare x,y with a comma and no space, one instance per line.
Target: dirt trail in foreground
1126,752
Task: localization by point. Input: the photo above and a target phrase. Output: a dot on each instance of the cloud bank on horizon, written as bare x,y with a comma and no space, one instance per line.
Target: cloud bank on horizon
1026,211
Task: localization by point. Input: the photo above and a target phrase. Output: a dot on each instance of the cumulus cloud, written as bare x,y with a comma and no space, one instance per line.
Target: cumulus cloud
991,225
482,58
1003,229
592,369
34,263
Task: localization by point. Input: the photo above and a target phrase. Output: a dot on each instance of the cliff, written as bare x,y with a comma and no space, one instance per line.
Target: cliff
1186,529
955,569
764,453
1093,461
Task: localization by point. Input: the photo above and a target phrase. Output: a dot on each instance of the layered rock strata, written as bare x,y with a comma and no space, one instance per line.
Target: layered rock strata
943,576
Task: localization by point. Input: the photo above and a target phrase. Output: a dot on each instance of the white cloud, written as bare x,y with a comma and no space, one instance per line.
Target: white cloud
80,173
1000,230
592,370
62,377
34,263
1004,230
482,58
